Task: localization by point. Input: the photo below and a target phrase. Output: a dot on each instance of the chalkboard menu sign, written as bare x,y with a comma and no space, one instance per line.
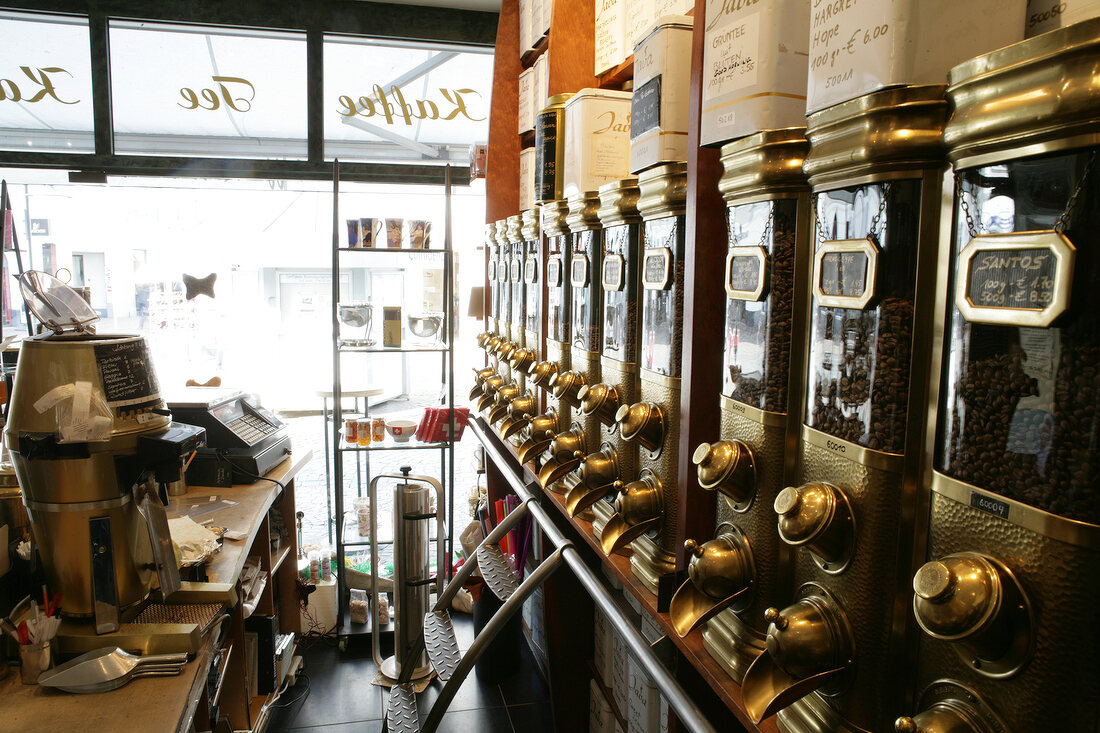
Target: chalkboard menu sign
613,272
1020,279
127,374
578,271
531,271
746,273
844,273
656,265
553,272
645,107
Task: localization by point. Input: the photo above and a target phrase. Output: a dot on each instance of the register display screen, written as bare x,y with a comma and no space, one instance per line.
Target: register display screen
228,412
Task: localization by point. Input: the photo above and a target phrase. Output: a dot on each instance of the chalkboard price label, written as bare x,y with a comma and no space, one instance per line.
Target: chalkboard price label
1020,279
553,272
531,271
844,273
613,272
656,265
746,273
645,107
578,270
127,375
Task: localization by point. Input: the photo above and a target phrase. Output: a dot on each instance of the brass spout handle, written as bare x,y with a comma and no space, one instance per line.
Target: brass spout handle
773,616
906,724
693,547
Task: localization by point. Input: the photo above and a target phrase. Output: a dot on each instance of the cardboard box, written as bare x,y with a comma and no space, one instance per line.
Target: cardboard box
526,179
859,47
391,327
597,140
600,719
620,674
659,111
754,61
610,34
1046,15
644,714
319,617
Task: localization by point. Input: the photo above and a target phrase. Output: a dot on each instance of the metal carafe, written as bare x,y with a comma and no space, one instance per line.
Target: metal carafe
94,449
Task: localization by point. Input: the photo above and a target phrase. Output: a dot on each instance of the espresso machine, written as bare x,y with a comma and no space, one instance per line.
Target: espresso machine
524,407
586,250
833,655
645,508
1014,528
613,462
745,568
94,449
543,431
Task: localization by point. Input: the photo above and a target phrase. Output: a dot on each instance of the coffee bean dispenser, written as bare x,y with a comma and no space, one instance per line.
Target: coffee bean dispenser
645,509
1014,530
613,461
555,418
585,335
523,358
490,378
833,656
768,202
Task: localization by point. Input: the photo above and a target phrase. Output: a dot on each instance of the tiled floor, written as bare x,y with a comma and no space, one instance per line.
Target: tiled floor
335,695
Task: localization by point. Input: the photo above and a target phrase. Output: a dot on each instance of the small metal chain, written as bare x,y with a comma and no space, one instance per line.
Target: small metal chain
974,229
870,229
764,237
1063,220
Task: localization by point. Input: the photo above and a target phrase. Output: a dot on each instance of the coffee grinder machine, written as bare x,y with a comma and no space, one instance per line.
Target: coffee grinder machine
1014,527
614,461
645,509
521,409
832,656
545,427
746,569
586,324
94,449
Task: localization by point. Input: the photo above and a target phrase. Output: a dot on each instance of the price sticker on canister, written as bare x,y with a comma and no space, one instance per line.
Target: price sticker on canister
1017,279
845,272
746,273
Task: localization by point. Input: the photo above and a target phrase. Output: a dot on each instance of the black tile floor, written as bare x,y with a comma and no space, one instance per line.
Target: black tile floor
335,695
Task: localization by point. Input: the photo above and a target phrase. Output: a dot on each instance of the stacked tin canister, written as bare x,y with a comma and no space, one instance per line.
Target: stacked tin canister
907,507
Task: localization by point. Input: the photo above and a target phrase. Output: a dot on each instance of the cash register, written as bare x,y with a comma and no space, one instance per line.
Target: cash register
243,440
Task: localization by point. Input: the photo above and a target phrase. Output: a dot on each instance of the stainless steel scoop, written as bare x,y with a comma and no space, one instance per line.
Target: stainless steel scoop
108,668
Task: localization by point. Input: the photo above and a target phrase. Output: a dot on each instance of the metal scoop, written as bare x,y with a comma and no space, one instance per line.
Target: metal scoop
109,668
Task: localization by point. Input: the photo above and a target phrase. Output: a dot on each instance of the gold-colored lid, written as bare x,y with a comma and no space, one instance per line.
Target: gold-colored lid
515,224
1032,97
720,567
554,214
532,224
582,212
619,202
767,162
727,466
491,232
956,596
895,129
663,191
500,235
557,101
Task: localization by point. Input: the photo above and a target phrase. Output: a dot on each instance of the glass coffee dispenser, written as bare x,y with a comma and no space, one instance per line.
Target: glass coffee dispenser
645,509
1004,602
515,389
499,346
94,450
545,427
613,461
745,568
524,407
584,342
831,658
488,338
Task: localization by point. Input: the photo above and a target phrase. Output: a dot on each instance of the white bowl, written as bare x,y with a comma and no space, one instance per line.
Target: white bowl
401,430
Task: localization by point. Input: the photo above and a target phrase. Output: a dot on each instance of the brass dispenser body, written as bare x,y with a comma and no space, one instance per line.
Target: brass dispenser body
768,201
1014,529
876,168
646,509
613,461
516,256
524,358
556,417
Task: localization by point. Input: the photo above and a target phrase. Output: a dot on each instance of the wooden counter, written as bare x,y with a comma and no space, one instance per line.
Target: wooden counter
160,704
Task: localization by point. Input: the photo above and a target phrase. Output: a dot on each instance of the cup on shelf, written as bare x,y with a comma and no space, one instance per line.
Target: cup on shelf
420,234
370,232
401,430
394,229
